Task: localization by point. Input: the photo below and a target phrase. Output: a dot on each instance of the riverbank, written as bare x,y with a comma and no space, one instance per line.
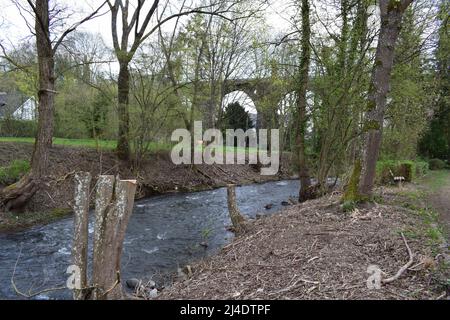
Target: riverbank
316,251
157,175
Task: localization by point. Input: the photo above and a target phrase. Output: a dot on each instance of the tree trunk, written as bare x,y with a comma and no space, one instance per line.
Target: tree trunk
237,219
113,208
18,194
391,18
80,234
46,95
305,180
123,86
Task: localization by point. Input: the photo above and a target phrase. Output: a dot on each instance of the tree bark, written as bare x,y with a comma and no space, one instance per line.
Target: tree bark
80,235
237,219
305,180
391,18
123,85
46,94
113,208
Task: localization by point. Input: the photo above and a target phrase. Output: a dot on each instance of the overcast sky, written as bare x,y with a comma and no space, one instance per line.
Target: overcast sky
15,29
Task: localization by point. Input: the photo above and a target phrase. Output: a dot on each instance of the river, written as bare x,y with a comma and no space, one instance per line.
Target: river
165,232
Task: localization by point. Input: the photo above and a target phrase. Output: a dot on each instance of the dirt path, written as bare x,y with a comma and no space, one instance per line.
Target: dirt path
440,201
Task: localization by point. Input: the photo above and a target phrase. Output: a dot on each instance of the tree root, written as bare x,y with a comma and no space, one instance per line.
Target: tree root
17,195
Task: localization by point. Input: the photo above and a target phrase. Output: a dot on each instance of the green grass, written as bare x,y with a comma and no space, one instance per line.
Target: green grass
435,180
88,143
416,201
14,171
111,144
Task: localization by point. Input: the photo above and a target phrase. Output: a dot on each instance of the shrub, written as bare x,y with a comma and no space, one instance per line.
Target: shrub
408,169
17,128
436,164
13,172
421,168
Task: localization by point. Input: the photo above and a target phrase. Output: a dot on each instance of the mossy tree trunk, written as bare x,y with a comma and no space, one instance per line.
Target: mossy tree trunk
391,12
305,58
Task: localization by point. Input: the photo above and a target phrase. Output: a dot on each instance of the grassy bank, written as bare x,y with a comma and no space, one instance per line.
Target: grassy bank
111,144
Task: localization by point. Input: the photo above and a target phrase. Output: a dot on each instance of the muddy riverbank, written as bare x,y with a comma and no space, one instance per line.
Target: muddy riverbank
157,175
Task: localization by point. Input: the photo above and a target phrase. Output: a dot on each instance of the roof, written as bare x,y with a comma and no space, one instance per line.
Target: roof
10,102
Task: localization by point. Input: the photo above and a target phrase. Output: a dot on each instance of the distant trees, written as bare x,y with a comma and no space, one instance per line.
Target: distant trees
235,117
134,32
436,141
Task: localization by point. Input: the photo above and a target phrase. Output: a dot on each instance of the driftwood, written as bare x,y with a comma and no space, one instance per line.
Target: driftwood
113,208
237,219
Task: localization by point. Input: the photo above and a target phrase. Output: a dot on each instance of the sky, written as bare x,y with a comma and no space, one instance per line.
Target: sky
14,27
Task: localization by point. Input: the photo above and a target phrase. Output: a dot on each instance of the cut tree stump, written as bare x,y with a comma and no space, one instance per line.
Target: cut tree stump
237,219
113,207
80,233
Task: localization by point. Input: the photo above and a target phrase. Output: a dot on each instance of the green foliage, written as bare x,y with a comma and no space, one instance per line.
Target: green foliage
408,169
90,143
421,168
17,128
13,172
435,142
348,206
410,96
235,117
436,164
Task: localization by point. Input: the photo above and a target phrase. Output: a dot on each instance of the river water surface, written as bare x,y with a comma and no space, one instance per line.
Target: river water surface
164,233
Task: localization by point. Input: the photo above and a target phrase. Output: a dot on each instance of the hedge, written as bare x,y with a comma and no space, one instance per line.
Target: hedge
408,169
17,128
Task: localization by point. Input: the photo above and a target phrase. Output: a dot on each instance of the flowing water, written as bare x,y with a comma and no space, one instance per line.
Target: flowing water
164,233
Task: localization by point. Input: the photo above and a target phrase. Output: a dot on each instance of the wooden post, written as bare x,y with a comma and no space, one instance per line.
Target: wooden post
114,205
236,217
80,235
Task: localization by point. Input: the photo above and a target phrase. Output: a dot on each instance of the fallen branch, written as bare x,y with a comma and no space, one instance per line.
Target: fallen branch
405,267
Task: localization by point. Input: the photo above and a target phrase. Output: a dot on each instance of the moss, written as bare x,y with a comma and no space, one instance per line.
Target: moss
351,193
371,105
394,5
60,212
348,206
371,125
